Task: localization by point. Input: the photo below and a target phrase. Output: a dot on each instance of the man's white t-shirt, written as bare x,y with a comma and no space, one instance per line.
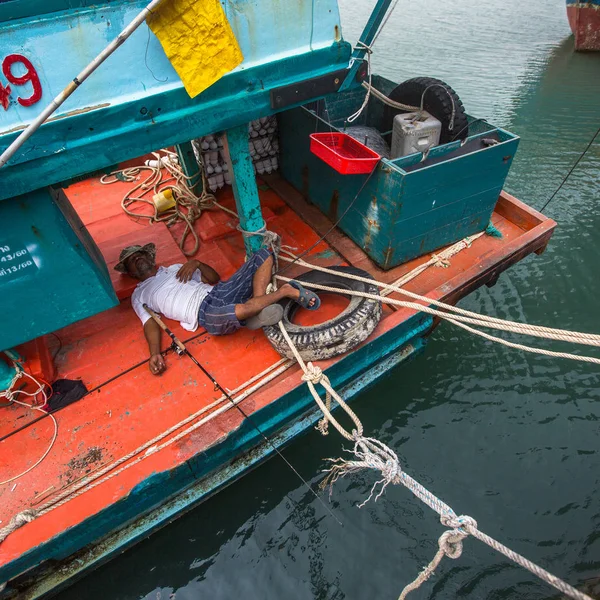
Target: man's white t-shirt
166,295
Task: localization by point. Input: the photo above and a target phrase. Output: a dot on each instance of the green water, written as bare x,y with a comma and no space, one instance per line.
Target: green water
508,438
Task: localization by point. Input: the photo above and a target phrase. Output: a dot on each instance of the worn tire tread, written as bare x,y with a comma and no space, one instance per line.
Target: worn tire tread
338,335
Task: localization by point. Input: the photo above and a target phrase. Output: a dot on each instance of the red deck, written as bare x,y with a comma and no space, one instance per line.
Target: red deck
128,405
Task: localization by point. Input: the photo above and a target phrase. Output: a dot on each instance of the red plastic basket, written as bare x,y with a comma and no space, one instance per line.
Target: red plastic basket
342,152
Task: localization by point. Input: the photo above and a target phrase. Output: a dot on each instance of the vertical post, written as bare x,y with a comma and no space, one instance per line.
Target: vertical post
189,164
366,37
244,186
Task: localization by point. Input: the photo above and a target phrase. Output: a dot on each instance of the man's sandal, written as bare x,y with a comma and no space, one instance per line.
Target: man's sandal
306,296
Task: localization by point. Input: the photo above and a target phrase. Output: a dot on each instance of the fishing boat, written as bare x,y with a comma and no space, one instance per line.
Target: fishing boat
584,20
116,452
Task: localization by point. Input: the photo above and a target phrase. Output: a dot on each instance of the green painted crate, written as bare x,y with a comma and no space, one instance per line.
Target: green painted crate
406,208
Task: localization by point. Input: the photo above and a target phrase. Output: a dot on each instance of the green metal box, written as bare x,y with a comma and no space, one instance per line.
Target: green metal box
51,272
407,207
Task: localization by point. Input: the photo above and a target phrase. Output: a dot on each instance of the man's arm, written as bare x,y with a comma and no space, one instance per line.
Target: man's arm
209,275
153,334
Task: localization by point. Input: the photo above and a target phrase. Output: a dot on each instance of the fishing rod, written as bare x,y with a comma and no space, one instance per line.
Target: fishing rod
179,347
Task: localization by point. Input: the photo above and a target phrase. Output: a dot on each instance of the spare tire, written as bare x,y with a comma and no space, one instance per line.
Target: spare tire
437,102
335,336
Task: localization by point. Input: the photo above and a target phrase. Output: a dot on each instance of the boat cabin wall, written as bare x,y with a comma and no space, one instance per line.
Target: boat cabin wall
51,271
408,206
135,102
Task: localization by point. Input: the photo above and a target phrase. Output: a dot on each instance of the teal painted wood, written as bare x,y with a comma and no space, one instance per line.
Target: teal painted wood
369,31
189,164
405,209
7,372
11,10
111,134
244,187
282,413
135,101
51,272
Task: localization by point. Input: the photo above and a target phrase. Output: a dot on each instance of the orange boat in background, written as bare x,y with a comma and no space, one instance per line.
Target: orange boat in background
584,20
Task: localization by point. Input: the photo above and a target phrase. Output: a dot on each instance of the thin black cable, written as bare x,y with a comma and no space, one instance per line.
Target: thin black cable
227,395
60,345
146,60
569,173
305,252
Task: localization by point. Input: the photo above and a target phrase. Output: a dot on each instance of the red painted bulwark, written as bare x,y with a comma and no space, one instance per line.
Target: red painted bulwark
129,405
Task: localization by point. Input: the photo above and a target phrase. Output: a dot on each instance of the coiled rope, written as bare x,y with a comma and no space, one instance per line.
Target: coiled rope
168,174
11,395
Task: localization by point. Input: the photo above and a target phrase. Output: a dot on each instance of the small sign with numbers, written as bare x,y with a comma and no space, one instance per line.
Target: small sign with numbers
15,261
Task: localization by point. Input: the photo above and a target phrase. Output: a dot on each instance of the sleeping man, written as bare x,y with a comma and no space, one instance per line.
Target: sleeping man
194,294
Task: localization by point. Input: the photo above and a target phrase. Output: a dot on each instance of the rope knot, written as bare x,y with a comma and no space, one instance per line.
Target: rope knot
365,47
463,522
313,374
17,521
440,261
9,393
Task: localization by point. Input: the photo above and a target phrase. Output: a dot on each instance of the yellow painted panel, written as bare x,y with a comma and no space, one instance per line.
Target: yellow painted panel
197,39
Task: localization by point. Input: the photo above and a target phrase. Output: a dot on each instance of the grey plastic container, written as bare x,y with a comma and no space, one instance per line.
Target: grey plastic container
414,132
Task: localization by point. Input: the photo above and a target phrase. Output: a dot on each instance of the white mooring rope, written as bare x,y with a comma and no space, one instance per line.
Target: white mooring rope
374,454
458,315
370,453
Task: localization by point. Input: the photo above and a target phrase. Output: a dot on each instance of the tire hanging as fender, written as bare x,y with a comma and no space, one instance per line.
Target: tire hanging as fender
338,335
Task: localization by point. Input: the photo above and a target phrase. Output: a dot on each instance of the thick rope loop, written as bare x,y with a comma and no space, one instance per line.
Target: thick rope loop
9,393
450,543
16,522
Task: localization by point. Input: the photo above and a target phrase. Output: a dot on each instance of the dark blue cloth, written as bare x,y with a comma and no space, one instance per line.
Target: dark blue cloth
217,311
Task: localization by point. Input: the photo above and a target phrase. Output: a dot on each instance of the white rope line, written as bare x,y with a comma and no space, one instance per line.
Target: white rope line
383,98
437,260
454,319
373,454
357,114
150,447
383,24
467,316
10,394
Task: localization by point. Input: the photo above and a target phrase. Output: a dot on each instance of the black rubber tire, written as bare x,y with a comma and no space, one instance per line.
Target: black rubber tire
436,102
338,335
